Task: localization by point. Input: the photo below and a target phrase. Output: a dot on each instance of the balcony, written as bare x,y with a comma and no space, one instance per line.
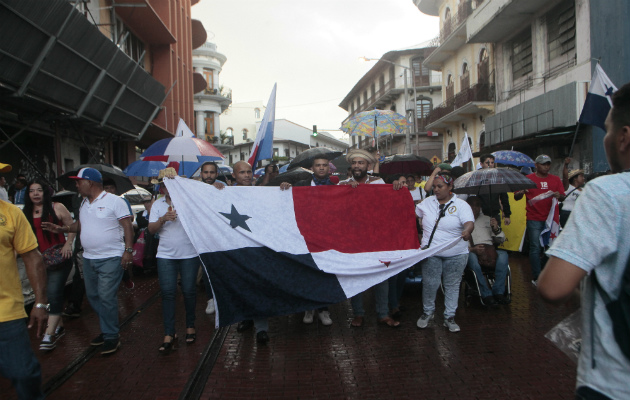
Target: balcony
452,36
476,99
222,95
494,20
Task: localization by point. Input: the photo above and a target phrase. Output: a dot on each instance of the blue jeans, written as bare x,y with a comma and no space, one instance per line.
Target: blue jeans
102,277
446,269
396,286
17,361
500,273
55,285
380,297
167,276
534,228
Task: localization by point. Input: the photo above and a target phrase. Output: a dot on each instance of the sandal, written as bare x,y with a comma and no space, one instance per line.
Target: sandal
389,321
357,322
166,347
191,337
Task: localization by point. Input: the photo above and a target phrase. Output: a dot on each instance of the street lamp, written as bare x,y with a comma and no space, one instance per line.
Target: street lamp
415,99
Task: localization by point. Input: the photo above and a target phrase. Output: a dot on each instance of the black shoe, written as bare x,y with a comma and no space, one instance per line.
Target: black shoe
97,341
262,337
110,346
489,301
245,325
501,299
71,311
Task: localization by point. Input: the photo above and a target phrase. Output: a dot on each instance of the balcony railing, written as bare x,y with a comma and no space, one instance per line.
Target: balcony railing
449,26
478,92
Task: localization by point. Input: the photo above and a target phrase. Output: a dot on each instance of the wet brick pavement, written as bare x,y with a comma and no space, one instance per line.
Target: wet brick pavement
500,353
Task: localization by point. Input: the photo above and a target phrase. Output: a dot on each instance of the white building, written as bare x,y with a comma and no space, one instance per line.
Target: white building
215,98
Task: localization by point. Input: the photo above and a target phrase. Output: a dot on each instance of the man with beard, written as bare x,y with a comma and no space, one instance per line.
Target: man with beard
360,162
209,173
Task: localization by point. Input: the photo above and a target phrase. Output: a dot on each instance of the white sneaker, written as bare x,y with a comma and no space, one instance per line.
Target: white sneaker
308,317
423,321
324,316
451,325
210,308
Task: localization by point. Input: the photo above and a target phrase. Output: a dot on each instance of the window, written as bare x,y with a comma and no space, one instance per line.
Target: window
257,113
132,45
286,153
423,108
231,159
522,54
229,132
245,134
465,79
483,69
208,74
446,30
373,89
420,72
242,156
561,32
276,152
208,123
451,151
450,87
482,140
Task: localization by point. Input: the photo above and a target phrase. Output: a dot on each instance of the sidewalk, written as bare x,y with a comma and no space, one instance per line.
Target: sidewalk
500,353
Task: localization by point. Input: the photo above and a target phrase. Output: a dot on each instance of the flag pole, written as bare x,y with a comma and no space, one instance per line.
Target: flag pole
577,128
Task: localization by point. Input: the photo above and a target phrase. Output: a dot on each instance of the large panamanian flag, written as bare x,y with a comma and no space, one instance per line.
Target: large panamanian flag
263,145
598,100
269,252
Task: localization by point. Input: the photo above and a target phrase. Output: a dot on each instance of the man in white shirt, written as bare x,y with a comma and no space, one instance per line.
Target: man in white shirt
3,181
104,220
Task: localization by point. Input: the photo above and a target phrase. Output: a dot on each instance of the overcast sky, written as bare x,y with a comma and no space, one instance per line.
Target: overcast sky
311,48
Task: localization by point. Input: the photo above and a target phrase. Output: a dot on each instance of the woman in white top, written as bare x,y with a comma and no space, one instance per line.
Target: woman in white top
573,191
444,218
175,256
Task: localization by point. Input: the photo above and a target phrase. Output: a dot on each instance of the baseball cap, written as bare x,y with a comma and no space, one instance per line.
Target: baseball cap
89,174
543,159
5,167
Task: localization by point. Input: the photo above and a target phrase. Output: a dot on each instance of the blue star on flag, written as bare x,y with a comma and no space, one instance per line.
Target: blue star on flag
237,219
609,90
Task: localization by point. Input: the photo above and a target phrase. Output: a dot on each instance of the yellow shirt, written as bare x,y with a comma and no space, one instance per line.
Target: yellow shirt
16,235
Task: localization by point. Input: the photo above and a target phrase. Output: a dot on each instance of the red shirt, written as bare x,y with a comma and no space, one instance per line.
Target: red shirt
42,239
539,210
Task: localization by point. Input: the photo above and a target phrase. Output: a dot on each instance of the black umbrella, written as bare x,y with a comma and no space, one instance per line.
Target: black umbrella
492,180
123,184
291,176
406,164
306,158
341,164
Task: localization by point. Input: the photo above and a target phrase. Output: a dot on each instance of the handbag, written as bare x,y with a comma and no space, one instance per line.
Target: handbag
53,258
138,249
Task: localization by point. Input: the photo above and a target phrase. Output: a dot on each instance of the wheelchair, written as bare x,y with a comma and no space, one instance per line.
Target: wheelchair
470,284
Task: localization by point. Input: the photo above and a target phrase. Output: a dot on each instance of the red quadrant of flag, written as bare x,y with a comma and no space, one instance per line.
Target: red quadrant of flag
375,218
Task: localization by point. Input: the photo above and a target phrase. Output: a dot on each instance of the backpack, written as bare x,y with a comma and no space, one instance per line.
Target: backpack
619,310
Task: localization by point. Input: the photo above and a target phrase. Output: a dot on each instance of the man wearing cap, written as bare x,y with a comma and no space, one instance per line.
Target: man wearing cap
573,183
538,208
360,161
107,238
17,361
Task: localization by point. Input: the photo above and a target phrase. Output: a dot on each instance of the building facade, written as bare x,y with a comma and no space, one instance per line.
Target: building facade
541,57
95,81
383,87
214,98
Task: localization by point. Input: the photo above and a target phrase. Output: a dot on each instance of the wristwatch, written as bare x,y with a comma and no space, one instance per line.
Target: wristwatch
44,306
129,249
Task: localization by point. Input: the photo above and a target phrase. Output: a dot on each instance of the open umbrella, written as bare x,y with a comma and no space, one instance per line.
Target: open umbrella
305,159
492,180
291,176
341,164
144,168
375,123
123,184
182,149
405,164
511,157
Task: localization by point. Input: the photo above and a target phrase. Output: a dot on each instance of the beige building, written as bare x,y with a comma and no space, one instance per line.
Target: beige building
383,87
468,92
